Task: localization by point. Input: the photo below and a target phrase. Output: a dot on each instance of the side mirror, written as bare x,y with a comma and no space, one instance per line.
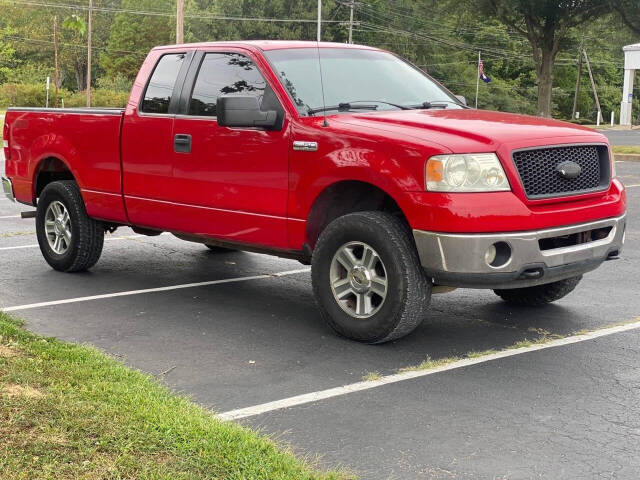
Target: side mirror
235,111
462,100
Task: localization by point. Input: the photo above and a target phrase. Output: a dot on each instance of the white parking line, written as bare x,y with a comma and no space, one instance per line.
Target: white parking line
9,216
400,377
633,186
151,290
35,245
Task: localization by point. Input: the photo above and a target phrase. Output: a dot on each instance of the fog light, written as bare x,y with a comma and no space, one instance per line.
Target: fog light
490,254
498,255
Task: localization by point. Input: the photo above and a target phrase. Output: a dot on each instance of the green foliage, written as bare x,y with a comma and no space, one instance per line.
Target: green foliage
76,24
69,411
27,72
117,84
99,98
441,36
131,38
34,95
24,95
629,12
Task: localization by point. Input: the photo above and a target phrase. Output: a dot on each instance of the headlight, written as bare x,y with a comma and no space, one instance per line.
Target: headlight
473,172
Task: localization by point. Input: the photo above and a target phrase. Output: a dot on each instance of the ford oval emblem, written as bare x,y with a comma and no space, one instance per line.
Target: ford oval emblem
569,170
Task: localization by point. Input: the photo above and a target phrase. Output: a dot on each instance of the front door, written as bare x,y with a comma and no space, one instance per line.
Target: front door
229,183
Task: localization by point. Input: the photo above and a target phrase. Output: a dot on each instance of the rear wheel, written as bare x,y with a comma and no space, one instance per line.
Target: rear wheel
69,240
367,278
540,294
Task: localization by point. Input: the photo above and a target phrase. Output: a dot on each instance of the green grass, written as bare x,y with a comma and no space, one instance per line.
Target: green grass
626,149
70,411
371,376
429,364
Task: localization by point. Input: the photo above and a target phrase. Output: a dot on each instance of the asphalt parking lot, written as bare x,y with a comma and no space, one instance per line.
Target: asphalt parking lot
251,334
623,137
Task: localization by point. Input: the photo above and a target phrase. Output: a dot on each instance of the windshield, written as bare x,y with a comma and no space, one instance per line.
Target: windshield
353,75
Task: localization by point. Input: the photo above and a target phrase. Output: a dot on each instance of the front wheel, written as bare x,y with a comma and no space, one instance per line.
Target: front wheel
540,294
69,239
367,278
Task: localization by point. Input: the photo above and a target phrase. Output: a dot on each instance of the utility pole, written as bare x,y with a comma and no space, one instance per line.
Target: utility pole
89,31
352,4
319,20
56,75
478,79
180,22
593,85
578,82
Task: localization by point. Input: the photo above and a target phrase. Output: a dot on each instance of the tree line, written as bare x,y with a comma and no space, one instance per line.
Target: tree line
529,48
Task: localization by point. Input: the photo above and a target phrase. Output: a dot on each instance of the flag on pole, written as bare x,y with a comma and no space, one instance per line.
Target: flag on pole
483,76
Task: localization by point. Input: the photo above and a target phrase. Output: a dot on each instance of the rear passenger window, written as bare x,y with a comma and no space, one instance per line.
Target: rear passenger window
225,74
158,94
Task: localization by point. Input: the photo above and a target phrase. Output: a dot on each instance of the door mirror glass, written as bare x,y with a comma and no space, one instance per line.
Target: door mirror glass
462,100
237,111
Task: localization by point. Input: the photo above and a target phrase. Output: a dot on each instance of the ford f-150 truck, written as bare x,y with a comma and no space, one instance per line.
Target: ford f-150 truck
344,157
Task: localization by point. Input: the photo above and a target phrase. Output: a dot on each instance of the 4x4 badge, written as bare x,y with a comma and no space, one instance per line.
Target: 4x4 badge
569,170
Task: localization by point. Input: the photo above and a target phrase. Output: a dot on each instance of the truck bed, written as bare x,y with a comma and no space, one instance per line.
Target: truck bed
87,140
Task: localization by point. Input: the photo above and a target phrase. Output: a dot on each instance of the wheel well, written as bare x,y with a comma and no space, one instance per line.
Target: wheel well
343,198
50,170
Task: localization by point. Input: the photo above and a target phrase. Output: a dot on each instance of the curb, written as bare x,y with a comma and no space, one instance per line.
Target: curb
626,157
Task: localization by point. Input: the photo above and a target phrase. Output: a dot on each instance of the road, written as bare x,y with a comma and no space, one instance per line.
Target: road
623,137
567,412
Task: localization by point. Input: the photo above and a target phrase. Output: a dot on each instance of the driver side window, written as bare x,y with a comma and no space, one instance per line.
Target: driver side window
227,74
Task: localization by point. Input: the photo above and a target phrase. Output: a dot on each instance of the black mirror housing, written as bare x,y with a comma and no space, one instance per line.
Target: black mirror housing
236,111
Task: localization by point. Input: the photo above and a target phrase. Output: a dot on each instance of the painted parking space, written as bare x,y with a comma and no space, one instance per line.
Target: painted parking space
272,321
562,413
243,343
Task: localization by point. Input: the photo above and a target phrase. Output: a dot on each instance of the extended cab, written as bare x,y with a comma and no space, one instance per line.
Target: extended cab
375,174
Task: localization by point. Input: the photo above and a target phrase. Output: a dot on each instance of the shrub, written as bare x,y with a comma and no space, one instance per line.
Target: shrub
99,98
26,95
34,95
117,84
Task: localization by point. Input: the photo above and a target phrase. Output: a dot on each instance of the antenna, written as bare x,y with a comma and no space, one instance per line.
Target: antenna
324,103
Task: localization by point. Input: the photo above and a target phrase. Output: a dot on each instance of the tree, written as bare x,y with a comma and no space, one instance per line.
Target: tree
545,24
629,11
76,30
132,36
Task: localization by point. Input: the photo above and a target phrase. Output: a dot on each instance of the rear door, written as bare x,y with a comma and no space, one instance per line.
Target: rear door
147,142
229,183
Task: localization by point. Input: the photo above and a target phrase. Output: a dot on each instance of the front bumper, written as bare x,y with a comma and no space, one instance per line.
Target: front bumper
524,259
7,187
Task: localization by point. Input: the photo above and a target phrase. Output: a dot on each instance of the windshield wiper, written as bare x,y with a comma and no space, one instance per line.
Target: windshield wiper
341,107
437,104
345,106
401,107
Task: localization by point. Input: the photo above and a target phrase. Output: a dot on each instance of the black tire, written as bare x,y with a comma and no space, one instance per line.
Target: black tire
216,249
540,294
409,289
87,234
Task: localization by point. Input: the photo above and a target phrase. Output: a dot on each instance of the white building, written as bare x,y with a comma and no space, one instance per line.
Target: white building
631,64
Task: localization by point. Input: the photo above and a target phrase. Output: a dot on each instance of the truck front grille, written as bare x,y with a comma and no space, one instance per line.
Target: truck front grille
541,178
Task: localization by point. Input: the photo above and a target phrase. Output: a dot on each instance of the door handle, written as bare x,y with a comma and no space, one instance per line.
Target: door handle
182,143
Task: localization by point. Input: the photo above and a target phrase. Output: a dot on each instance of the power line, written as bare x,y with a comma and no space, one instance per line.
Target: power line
166,14
74,45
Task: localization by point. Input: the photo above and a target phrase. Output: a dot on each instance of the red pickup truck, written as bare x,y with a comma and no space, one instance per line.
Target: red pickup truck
347,158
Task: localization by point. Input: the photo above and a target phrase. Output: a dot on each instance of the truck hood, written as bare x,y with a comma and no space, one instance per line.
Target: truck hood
463,131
